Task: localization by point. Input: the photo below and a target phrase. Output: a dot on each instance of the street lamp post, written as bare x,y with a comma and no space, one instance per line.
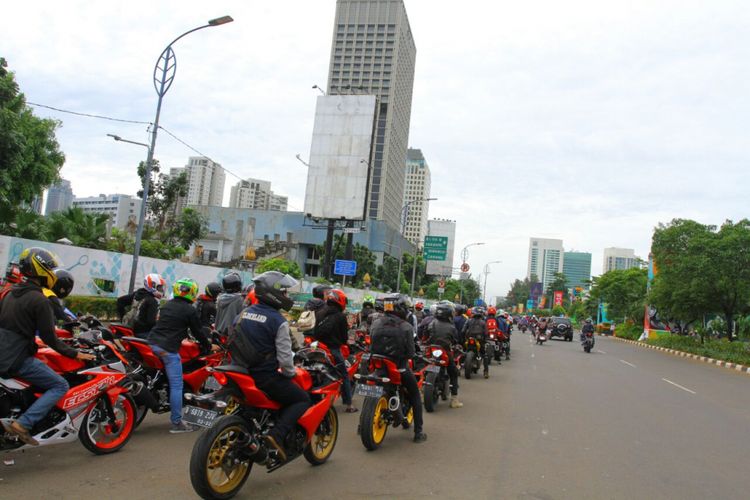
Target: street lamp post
464,256
164,73
486,272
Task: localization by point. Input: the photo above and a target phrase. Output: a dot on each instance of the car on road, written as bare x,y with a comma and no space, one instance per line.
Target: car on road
560,327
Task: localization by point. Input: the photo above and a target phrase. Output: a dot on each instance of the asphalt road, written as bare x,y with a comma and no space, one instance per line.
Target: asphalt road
552,423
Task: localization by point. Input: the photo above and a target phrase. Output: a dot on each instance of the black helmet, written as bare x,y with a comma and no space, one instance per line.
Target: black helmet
39,263
460,309
64,284
477,311
397,304
213,290
319,291
232,283
444,312
379,304
271,289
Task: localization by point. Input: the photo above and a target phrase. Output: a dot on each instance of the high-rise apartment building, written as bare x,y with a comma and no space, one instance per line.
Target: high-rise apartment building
577,269
619,259
59,197
545,259
257,194
205,182
121,208
373,52
416,191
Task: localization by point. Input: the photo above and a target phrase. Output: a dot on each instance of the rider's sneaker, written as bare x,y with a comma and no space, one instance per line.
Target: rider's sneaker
21,432
455,403
181,428
420,437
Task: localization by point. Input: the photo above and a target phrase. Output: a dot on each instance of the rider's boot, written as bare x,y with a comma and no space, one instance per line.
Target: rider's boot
455,403
420,437
486,372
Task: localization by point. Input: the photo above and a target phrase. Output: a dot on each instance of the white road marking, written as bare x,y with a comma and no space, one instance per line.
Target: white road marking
600,351
532,354
679,386
629,364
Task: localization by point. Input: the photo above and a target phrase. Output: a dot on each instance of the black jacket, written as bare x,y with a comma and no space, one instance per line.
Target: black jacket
393,337
333,328
443,333
175,318
149,309
206,307
24,312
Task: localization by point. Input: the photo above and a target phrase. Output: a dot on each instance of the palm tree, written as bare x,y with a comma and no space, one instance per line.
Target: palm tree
85,230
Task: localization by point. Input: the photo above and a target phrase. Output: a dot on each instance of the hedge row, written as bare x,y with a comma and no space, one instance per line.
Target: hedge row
734,352
629,331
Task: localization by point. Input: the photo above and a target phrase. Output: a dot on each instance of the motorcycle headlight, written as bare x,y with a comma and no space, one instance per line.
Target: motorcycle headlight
437,353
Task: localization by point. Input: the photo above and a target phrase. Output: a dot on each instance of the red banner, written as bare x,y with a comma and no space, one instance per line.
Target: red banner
558,298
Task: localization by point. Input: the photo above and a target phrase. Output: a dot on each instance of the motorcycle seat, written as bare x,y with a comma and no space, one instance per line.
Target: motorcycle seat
232,368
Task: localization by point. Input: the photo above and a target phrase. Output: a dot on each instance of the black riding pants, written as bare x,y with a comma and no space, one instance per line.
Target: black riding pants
410,384
293,399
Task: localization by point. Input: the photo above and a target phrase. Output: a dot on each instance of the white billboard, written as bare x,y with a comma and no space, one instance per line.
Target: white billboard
440,227
337,180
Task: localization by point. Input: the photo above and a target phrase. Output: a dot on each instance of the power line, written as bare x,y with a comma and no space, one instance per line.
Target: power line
89,115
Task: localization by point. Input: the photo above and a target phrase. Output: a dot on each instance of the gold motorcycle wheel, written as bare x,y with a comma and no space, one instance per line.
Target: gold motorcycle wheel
323,441
217,470
372,422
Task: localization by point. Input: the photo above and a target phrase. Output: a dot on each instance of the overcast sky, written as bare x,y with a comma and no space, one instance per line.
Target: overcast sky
588,121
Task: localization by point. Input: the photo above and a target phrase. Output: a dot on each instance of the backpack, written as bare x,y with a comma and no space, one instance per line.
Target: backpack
306,321
390,340
475,328
492,326
132,315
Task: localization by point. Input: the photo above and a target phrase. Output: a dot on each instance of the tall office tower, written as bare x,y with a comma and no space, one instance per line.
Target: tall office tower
545,259
373,52
577,269
416,191
59,197
205,182
619,258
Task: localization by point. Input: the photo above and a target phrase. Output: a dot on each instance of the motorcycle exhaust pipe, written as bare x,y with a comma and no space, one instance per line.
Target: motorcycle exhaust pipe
394,403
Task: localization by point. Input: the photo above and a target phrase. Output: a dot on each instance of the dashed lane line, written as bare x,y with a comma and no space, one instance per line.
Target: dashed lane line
600,351
629,364
678,386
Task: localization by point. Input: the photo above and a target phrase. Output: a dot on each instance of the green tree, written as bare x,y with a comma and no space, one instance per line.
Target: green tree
83,229
188,227
702,270
284,266
164,192
30,157
25,223
361,254
624,292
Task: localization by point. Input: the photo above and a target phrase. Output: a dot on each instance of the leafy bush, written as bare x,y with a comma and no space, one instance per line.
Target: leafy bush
104,308
629,330
734,352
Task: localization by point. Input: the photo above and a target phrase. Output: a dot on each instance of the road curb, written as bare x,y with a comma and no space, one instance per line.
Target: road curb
726,364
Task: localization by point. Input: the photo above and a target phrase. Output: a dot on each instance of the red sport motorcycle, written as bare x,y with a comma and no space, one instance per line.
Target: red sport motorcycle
223,456
97,409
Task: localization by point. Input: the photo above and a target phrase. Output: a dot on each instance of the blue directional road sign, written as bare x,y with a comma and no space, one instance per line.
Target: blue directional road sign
345,267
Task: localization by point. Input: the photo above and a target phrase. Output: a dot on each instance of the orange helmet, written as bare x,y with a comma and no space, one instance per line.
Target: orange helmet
336,296
250,298
491,311
418,306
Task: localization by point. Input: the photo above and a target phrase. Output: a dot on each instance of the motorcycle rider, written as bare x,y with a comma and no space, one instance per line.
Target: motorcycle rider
443,332
542,326
378,313
205,304
176,317
368,303
588,327
229,303
24,312
392,336
333,331
460,321
494,325
476,327
144,305
262,345
419,312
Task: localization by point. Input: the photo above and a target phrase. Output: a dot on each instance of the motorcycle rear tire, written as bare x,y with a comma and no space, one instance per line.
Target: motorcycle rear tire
372,425
328,429
430,395
469,365
206,447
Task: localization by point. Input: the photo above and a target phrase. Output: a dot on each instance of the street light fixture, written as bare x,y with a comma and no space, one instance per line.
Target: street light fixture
486,272
320,89
464,256
164,74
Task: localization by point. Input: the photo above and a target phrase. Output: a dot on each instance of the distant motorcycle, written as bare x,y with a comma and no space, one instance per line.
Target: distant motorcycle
588,341
541,337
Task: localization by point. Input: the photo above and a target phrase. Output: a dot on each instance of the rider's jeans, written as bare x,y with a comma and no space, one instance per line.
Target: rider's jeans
173,367
43,377
346,395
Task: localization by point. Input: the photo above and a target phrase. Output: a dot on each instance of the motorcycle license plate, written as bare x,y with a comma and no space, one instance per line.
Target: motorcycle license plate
371,391
433,368
199,416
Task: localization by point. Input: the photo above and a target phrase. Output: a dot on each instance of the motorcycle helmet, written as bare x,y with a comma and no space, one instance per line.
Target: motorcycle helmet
271,289
64,284
13,273
444,312
319,291
477,312
336,297
212,290
251,298
588,321
432,309
185,288
491,311
379,305
368,299
460,309
155,284
419,306
38,263
232,283
397,304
